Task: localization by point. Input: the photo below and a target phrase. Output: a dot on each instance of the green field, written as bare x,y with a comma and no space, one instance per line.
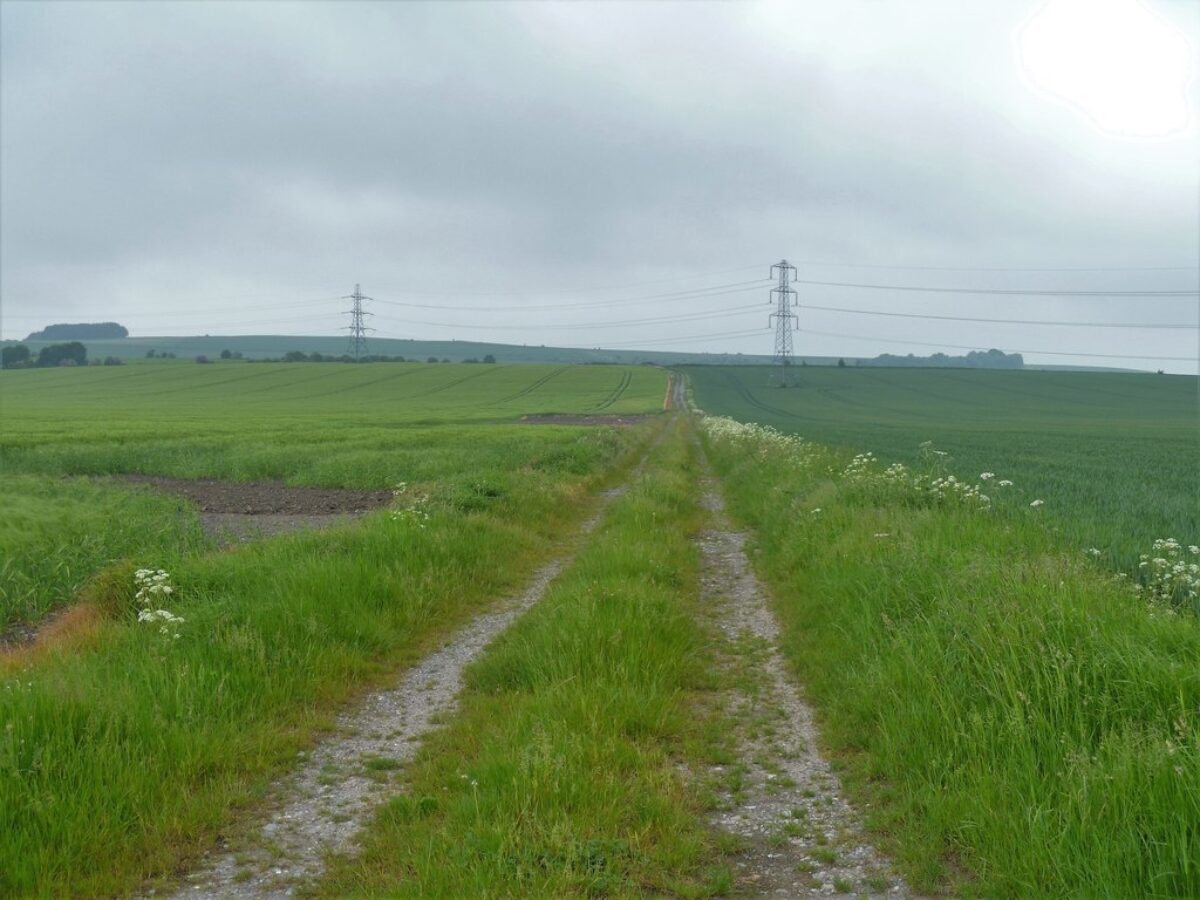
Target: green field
1013,719
274,346
365,427
1114,456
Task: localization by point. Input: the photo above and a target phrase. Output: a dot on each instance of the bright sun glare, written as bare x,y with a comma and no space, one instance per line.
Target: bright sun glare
1116,61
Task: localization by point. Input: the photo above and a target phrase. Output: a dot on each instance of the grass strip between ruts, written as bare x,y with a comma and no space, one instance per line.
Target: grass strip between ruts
560,773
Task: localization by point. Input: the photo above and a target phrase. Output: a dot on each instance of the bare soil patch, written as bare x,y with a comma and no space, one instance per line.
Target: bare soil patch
22,643
587,420
263,498
237,512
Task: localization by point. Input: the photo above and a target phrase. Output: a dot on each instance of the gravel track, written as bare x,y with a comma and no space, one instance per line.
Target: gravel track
799,835
318,808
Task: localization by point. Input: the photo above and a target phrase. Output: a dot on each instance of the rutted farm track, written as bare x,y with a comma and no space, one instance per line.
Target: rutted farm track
319,808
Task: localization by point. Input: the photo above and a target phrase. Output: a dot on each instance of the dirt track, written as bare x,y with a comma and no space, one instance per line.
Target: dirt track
319,808
799,835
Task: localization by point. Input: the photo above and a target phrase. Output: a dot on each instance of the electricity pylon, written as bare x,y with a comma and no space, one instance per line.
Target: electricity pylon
784,298
358,331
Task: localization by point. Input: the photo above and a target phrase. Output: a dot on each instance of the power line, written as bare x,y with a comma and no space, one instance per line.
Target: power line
851,265
119,314
695,339
1005,291
873,312
657,320
616,287
719,290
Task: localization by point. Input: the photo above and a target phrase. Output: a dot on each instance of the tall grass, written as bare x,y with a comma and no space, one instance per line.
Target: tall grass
119,759
56,535
558,775
1017,716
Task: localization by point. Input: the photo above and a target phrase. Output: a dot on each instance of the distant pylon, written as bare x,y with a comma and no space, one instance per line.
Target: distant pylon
784,298
358,331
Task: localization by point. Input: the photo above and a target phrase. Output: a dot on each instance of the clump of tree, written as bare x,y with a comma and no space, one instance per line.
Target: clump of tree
80,331
976,359
71,353
15,356
203,360
231,354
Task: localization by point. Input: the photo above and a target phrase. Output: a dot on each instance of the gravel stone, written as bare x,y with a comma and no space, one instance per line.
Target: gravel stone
288,850
800,837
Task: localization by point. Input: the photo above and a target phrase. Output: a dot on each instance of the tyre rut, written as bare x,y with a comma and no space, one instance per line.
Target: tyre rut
319,808
799,835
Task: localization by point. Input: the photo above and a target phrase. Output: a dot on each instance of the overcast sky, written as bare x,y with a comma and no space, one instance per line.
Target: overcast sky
554,173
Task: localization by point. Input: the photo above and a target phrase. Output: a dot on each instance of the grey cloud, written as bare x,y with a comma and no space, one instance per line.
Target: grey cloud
203,148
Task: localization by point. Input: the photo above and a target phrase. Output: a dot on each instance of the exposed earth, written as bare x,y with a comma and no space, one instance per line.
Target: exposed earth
235,512
263,498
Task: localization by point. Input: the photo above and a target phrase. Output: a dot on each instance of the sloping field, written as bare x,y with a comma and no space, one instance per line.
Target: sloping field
274,346
385,393
323,425
1113,456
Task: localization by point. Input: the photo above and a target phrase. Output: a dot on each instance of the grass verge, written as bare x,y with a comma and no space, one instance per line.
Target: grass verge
1017,716
57,534
559,775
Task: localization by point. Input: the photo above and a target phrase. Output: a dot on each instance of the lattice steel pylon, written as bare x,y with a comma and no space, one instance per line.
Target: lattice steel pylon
358,331
784,298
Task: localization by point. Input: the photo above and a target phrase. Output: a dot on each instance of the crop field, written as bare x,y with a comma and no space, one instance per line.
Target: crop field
111,744
1113,456
960,701
367,427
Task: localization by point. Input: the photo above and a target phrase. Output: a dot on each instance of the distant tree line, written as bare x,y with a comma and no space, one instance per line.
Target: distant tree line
72,353
81,331
976,359
293,356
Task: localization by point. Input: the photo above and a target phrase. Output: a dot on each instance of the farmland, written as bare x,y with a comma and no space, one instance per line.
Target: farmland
304,424
1012,718
1113,456
274,346
276,634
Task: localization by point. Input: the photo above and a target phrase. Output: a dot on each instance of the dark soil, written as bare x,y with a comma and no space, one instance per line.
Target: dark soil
18,634
586,420
264,498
